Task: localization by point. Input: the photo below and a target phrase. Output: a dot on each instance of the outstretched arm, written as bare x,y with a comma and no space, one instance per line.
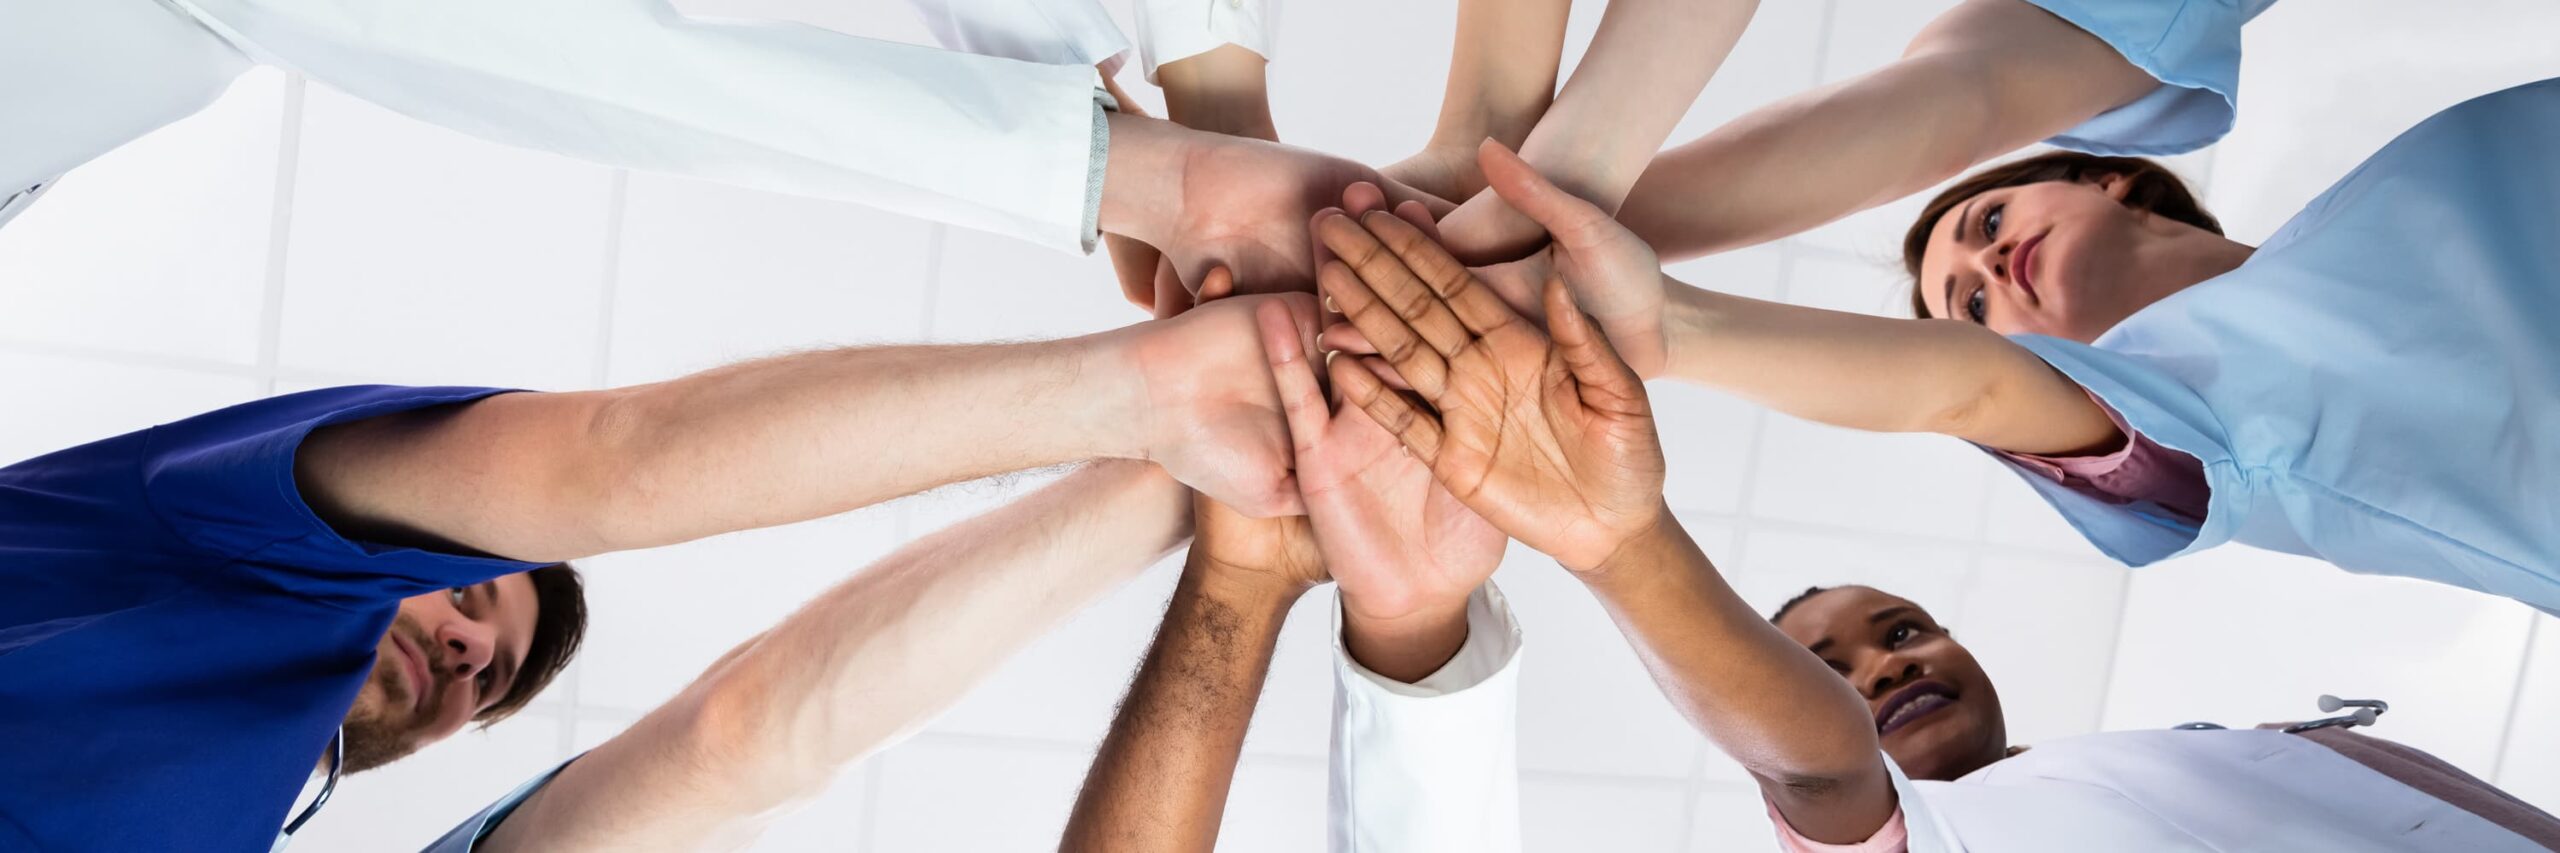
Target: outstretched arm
549,477
1550,436
1986,78
1502,76
1644,69
1882,374
1851,370
855,669
1160,781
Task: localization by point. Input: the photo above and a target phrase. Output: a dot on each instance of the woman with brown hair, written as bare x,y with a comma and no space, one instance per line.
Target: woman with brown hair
2376,385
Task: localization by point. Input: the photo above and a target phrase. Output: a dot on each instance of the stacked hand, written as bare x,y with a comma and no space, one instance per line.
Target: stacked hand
1547,435
1613,275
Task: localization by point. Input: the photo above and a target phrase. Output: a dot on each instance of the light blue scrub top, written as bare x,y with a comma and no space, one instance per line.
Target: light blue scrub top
2379,385
2191,46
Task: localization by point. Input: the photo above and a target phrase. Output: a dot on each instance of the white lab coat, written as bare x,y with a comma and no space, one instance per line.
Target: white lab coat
1433,766
1001,145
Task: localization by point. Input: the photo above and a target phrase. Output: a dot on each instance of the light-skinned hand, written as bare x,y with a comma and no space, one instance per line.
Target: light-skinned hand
1213,416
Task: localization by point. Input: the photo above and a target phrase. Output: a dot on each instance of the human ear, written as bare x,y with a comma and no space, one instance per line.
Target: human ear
2112,185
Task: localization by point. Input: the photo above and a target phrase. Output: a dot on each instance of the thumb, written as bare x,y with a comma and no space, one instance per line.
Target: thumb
1608,384
1569,219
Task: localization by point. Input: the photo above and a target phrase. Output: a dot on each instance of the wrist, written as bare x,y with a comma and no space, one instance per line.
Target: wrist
1407,646
1594,168
1247,589
1142,177
1684,322
1639,553
1115,414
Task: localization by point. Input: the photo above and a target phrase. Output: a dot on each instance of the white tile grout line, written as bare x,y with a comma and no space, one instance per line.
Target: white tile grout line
279,235
902,525
573,680
2515,702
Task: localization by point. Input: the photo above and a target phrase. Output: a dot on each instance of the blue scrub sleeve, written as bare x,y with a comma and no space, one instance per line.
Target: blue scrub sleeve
467,834
223,483
2191,46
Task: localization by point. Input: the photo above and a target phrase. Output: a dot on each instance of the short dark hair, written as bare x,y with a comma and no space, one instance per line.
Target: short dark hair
2155,189
559,627
1809,592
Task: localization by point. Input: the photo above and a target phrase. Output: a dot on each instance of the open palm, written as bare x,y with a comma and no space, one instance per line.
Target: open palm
1395,539
1551,439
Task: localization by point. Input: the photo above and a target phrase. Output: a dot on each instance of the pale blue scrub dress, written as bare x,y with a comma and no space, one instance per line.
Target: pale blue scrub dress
2379,385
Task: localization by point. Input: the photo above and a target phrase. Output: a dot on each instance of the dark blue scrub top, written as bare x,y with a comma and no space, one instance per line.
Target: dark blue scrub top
179,634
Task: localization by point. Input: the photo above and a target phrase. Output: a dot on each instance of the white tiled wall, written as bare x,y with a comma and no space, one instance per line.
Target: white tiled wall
292,237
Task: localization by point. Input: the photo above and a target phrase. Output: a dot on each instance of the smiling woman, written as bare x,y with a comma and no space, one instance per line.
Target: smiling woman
1942,726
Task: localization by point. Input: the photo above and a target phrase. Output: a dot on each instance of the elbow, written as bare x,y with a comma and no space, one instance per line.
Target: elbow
726,736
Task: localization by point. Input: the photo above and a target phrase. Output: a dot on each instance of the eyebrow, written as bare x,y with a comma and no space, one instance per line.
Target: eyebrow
1963,216
1888,613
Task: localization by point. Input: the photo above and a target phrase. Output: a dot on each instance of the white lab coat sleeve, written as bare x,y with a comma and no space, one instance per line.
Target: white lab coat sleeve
982,142
1049,32
1433,765
1169,30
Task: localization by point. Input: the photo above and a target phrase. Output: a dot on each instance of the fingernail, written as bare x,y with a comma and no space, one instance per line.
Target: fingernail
1328,306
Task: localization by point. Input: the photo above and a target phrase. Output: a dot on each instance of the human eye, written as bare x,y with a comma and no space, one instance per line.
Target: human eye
1974,307
1900,634
455,595
1991,221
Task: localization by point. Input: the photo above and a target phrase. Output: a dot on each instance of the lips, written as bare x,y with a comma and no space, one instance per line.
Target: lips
2023,265
413,662
1911,703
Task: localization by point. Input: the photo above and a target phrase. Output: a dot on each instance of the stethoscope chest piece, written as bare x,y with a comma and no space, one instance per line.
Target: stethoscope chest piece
2366,712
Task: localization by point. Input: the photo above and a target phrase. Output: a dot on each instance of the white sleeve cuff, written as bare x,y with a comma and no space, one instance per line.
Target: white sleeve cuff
1171,30
1433,765
1049,32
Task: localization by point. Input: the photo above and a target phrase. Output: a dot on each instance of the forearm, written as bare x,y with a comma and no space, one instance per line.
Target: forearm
1220,91
1985,79
858,667
1878,374
1644,69
1160,780
1760,697
546,477
1502,72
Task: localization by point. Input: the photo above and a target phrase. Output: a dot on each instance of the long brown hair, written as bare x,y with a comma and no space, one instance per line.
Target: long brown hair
2154,188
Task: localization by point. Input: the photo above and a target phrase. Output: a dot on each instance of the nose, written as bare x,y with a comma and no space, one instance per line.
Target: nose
1992,260
467,644
1895,671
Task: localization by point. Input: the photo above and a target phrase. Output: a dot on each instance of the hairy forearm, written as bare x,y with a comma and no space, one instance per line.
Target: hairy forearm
1159,782
857,668
1985,79
1644,69
1755,693
1502,71
1879,374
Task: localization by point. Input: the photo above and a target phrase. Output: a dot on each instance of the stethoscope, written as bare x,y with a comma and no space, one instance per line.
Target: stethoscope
12,203
2366,711
337,759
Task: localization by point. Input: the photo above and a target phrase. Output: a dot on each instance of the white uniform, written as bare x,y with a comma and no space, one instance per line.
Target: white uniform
1431,766
996,144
